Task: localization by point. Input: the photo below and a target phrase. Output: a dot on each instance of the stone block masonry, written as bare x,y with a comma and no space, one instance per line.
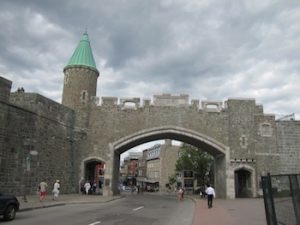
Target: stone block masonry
36,144
44,140
288,144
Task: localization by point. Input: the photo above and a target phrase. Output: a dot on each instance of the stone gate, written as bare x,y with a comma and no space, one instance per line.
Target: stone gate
234,132
244,141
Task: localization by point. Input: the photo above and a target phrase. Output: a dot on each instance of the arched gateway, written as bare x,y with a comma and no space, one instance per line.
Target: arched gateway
68,141
236,132
219,151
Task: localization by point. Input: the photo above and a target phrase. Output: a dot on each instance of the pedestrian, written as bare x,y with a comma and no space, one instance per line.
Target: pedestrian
82,189
202,192
183,191
180,194
55,190
42,190
210,191
100,184
87,187
94,187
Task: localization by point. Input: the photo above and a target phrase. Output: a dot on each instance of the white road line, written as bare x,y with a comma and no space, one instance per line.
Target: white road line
97,222
138,208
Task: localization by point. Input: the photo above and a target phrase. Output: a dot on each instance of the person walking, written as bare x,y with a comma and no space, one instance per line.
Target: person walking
94,187
210,191
42,190
55,190
180,194
87,187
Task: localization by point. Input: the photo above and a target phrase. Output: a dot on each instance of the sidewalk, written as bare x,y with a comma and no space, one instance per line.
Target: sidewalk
243,211
33,201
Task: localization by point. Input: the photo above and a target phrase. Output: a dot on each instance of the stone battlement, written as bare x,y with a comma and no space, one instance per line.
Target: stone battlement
169,100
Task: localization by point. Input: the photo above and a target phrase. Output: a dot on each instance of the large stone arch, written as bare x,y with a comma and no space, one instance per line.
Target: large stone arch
223,181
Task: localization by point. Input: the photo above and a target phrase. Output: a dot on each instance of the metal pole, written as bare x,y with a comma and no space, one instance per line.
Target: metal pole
266,197
295,192
268,200
273,212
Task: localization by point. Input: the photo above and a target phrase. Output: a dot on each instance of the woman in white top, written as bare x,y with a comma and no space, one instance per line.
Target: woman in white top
55,191
87,187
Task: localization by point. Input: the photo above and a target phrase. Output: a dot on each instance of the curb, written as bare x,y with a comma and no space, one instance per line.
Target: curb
66,203
41,207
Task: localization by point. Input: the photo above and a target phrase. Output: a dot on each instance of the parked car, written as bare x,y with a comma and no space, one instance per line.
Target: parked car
9,205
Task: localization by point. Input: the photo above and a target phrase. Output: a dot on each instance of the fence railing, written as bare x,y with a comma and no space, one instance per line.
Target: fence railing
282,199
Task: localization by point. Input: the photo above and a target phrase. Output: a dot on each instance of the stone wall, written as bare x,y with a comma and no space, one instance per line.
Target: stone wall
111,122
235,125
43,107
44,140
288,144
36,142
171,100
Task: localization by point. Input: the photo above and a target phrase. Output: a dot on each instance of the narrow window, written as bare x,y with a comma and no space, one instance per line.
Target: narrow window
84,96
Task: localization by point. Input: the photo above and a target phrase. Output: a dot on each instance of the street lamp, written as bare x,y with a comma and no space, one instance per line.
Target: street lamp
27,170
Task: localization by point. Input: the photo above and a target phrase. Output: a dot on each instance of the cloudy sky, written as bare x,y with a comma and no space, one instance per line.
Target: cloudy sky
214,49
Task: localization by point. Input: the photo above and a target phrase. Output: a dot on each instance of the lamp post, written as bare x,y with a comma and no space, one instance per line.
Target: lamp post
27,170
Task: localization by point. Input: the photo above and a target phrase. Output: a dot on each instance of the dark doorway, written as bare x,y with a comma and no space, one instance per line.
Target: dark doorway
94,173
243,184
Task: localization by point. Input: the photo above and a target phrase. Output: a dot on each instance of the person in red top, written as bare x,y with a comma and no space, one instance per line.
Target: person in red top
42,189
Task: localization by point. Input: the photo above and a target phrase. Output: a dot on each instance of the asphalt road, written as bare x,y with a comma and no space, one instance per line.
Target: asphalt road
131,210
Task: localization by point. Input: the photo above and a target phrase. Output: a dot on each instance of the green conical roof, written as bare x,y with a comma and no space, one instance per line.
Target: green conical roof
83,55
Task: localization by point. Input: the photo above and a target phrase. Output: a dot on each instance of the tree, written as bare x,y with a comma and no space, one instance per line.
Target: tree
172,179
195,159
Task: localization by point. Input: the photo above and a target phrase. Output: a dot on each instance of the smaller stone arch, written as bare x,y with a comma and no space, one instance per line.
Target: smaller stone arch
244,179
90,163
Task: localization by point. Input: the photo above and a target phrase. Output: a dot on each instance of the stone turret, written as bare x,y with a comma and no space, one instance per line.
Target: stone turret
81,74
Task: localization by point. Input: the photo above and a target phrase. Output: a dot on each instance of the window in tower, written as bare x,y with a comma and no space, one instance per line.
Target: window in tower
66,78
84,96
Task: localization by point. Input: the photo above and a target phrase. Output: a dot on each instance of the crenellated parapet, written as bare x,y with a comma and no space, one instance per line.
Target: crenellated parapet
169,100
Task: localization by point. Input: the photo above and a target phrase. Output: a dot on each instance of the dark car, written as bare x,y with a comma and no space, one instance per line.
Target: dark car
9,205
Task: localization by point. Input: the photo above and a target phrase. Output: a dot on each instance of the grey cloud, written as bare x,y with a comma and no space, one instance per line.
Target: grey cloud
210,49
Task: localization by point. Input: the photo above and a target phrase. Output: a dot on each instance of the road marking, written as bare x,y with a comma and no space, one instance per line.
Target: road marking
97,222
138,208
